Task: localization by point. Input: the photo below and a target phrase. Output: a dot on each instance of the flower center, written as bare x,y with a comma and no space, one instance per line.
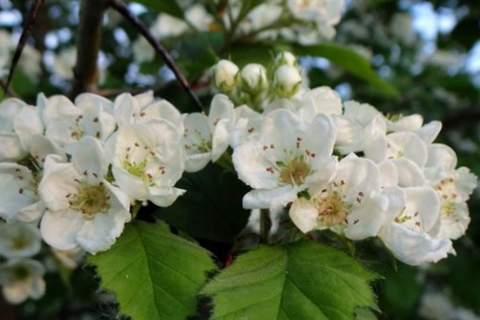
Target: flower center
18,243
332,209
138,170
294,172
90,200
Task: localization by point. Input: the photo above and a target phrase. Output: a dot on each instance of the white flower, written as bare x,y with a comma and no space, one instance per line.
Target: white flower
314,10
147,161
18,194
168,26
287,81
13,116
142,108
412,214
197,16
286,158
64,63
246,127
83,209
30,63
19,240
69,258
22,279
254,78
225,75
67,123
350,204
206,138
143,50
263,16
360,128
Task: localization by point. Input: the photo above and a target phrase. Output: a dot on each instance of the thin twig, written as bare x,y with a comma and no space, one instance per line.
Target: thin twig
123,9
27,30
8,91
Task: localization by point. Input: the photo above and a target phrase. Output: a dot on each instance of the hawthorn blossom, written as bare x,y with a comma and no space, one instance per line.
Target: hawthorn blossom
19,240
19,199
83,208
206,138
286,158
351,203
22,279
147,161
411,215
66,123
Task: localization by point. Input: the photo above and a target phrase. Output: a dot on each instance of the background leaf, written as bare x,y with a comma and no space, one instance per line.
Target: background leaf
212,207
154,274
305,280
348,60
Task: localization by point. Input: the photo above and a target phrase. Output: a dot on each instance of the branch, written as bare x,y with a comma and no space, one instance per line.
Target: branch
8,91
27,30
89,37
122,8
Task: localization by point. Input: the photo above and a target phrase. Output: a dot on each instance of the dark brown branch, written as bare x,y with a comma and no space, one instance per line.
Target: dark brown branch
8,91
122,8
27,30
89,38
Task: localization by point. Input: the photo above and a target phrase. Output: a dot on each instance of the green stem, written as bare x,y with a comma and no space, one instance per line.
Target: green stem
265,225
135,209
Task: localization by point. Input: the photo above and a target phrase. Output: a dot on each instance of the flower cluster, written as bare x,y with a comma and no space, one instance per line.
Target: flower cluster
71,171
344,166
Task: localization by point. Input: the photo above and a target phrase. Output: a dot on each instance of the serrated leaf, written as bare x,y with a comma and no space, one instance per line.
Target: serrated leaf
154,274
305,280
165,6
212,207
348,60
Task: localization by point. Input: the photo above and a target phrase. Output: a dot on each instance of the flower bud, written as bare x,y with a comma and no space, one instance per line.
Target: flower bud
254,78
287,81
224,75
285,58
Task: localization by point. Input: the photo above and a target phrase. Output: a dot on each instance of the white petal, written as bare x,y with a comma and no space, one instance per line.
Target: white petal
408,123
164,197
59,229
320,136
220,138
125,107
440,155
130,184
407,145
59,182
251,165
11,149
414,248
388,173
429,132
409,174
87,100
366,219
196,162
100,233
263,198
27,124
220,108
90,160
304,215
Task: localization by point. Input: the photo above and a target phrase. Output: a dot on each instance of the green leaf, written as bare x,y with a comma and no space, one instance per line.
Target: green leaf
165,6
348,60
154,274
212,207
305,280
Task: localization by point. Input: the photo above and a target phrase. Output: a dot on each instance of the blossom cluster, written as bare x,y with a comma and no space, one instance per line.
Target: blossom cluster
305,22
71,171
345,166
